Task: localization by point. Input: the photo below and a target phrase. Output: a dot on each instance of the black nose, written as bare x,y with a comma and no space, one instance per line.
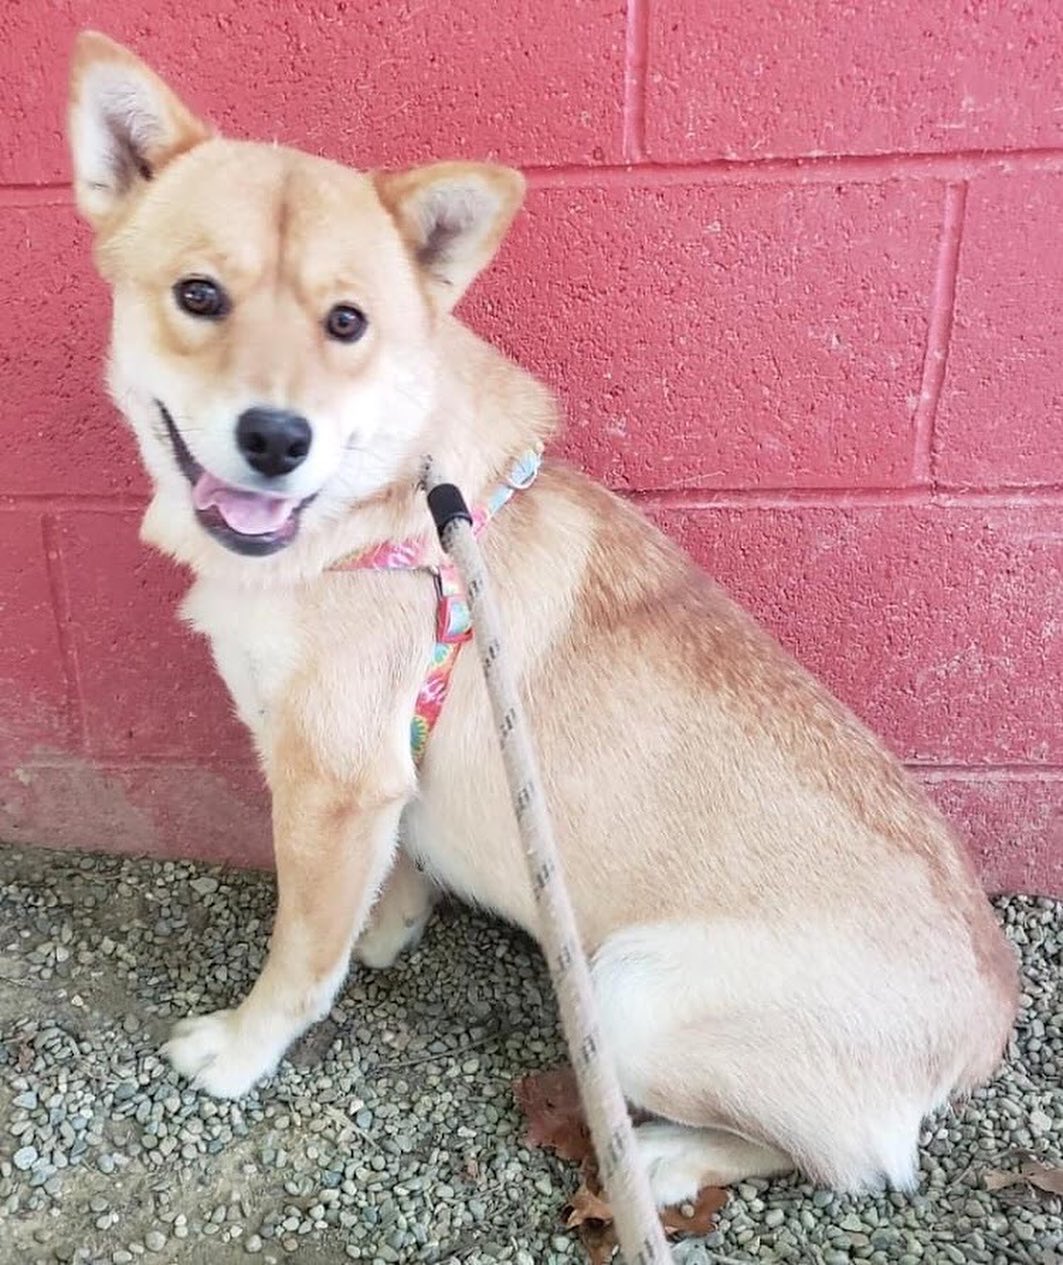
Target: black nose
273,440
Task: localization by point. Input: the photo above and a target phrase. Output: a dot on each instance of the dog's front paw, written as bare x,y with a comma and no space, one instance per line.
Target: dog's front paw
216,1056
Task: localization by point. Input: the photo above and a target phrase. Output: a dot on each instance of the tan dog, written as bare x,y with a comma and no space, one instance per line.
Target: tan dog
793,959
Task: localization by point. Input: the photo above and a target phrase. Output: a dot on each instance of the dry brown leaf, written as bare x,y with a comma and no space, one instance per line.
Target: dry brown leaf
1047,1178
599,1241
996,1179
586,1205
551,1105
702,1216
591,1217
588,1213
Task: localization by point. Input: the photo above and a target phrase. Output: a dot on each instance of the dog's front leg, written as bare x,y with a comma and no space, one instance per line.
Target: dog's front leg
334,844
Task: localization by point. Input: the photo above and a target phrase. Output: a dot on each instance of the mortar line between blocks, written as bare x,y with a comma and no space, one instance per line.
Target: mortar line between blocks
59,591
939,331
955,165
636,44
696,496
920,496
796,170
927,770
91,502
17,196
974,773
108,761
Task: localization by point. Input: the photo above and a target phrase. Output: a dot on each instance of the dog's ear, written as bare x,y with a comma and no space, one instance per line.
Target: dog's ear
453,216
124,125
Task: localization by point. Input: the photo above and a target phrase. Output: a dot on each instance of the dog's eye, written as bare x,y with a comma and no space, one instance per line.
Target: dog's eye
199,297
345,323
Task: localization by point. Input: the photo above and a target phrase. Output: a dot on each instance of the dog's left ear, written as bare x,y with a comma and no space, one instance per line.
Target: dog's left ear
125,125
453,217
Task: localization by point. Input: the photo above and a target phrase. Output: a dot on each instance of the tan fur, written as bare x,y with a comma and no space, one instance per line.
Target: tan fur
793,959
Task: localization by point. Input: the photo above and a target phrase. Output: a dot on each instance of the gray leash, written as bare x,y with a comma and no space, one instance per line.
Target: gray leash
638,1227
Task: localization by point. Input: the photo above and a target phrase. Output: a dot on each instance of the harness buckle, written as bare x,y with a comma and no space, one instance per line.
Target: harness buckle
453,619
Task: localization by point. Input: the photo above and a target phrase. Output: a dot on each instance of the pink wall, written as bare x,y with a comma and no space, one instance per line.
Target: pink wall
796,270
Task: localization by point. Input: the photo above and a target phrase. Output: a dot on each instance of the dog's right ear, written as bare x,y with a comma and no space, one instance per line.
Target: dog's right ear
124,125
452,216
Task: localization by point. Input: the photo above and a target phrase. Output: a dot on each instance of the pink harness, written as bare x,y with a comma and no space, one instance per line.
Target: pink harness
453,622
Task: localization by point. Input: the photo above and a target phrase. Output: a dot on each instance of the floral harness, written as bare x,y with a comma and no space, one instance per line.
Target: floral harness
453,621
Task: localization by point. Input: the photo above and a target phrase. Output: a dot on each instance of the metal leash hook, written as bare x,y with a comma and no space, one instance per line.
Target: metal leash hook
638,1227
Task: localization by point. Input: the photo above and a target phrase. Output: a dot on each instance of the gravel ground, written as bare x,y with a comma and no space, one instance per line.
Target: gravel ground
390,1135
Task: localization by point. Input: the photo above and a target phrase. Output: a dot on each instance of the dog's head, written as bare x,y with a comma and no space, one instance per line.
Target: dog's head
274,338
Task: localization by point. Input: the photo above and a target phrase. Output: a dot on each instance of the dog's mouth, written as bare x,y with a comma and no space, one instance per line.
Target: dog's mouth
251,523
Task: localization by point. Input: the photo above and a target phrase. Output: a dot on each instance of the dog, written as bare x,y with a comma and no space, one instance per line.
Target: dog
792,956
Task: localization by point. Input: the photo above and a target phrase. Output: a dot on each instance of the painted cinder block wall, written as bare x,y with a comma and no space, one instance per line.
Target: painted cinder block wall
796,271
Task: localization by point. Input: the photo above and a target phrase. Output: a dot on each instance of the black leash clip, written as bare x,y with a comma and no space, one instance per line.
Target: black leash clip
447,506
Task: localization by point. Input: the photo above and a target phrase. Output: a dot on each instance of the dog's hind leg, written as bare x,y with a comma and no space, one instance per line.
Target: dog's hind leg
399,917
759,1054
680,1160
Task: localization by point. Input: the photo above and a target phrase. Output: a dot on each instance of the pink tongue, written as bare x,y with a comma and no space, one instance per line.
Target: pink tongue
249,513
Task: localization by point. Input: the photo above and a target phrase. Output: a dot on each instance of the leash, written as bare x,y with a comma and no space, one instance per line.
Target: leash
638,1227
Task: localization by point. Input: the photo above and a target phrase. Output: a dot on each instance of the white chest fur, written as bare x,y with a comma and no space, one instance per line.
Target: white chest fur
254,640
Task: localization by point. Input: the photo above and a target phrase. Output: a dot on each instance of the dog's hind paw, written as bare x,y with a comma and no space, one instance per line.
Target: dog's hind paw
216,1056
385,940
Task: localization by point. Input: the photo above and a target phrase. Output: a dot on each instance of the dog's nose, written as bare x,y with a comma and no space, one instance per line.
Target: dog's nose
273,441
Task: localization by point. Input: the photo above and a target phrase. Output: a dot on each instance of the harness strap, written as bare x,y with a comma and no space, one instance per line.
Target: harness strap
453,621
